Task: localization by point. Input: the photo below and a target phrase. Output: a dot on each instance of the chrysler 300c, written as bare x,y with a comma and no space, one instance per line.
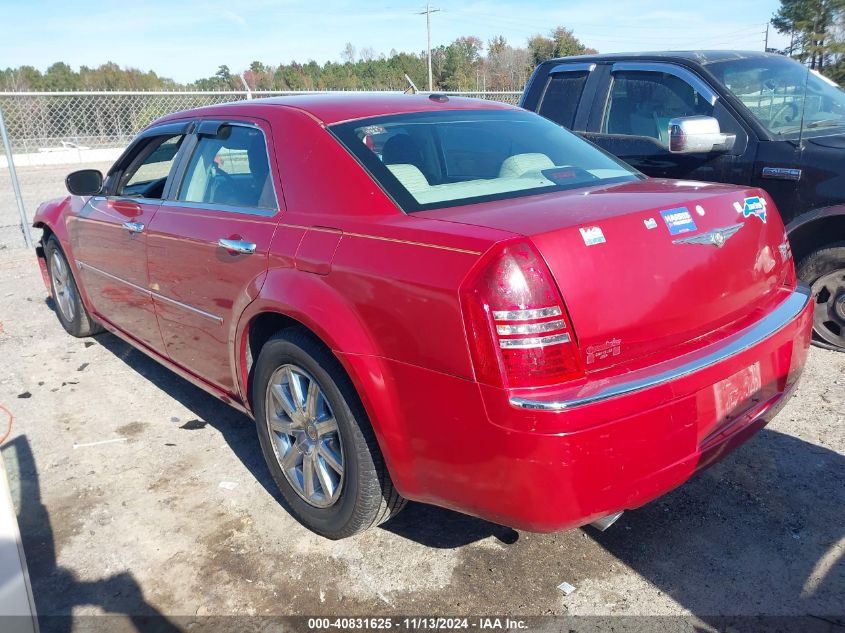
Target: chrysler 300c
439,299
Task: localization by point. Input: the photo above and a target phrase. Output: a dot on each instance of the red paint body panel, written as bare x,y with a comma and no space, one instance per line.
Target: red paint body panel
383,291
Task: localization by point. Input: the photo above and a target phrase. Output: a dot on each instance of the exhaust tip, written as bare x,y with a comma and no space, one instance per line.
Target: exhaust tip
605,522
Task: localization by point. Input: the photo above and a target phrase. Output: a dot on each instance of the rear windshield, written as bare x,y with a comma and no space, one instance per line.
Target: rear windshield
430,160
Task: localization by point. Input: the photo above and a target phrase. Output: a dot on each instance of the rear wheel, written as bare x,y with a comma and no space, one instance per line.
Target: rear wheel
69,307
824,270
317,440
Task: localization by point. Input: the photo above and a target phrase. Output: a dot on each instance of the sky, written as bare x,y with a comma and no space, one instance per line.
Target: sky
189,39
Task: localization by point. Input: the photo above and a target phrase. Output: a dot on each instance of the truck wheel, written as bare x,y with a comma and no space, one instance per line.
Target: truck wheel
824,270
317,440
69,307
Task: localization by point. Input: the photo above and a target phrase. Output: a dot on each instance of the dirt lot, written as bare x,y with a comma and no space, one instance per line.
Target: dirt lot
118,469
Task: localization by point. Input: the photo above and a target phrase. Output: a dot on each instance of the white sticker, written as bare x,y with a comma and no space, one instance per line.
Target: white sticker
651,223
592,235
699,209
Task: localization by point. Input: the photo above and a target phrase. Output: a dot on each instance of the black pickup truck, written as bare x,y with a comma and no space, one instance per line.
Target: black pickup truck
726,116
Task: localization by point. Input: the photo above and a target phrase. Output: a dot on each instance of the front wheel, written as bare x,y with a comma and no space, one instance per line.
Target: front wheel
69,307
317,440
824,270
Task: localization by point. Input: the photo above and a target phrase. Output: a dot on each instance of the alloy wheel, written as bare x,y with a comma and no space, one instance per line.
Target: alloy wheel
63,290
305,436
829,313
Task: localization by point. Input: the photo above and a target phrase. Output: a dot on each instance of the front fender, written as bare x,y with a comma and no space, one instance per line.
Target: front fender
813,229
309,300
50,215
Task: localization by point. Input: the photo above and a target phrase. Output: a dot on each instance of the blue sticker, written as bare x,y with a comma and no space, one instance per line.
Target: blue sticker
752,206
678,220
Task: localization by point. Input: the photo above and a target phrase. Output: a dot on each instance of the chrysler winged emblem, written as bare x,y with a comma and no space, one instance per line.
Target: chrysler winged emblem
716,237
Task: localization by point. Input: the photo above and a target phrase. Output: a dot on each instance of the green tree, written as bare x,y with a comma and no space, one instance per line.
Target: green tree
815,29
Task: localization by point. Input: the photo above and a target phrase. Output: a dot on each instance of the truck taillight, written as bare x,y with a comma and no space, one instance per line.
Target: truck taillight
517,326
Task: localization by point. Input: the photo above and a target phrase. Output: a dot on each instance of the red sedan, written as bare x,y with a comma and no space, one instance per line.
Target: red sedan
439,299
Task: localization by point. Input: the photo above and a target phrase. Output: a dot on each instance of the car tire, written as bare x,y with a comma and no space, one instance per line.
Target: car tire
338,502
68,302
824,271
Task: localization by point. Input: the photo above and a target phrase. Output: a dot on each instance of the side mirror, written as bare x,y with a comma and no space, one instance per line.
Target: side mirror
85,182
697,135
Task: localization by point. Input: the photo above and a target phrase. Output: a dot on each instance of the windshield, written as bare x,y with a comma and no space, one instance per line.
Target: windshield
773,88
430,160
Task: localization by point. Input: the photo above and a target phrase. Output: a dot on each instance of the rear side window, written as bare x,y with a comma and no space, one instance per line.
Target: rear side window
230,168
561,97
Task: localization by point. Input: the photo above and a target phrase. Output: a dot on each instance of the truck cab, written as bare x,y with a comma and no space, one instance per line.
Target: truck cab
746,118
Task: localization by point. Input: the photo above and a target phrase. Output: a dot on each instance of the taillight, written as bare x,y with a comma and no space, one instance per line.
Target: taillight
518,329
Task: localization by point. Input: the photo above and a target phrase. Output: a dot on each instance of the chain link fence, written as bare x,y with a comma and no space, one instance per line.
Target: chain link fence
53,133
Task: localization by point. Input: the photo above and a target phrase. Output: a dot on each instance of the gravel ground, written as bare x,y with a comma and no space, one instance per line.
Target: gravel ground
139,494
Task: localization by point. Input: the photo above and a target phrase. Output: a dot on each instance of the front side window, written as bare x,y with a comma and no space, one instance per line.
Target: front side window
782,94
146,175
430,160
561,97
641,103
230,168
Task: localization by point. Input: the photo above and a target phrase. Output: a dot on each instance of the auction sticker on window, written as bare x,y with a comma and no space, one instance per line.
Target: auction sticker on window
678,220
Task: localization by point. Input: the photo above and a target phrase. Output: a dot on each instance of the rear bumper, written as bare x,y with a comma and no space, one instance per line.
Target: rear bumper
471,448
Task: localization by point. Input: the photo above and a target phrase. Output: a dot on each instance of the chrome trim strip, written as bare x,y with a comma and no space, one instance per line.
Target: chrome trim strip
763,329
80,264
530,328
672,69
526,315
185,306
213,206
534,342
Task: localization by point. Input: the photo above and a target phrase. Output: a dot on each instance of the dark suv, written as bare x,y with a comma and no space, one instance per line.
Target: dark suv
727,116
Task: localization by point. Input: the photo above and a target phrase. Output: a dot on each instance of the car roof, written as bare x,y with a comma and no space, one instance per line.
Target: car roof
699,57
337,107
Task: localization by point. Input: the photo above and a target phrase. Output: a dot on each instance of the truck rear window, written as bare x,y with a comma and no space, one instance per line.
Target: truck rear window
430,160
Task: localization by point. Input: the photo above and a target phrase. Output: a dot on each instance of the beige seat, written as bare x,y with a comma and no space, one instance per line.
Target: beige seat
519,164
410,177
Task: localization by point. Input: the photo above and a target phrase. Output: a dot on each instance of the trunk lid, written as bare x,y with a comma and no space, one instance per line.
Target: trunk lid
647,267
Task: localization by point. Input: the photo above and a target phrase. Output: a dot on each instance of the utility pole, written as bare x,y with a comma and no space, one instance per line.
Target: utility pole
427,13
766,45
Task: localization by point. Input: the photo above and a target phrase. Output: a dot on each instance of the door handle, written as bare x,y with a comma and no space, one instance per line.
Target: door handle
237,246
133,227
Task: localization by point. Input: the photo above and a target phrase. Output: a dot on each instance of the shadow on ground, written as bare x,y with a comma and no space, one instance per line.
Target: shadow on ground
427,525
762,532
58,590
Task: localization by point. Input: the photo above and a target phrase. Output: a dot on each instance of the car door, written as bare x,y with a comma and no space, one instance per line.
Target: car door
208,243
109,236
631,120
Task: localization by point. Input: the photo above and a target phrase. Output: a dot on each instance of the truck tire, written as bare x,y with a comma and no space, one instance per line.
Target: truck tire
824,271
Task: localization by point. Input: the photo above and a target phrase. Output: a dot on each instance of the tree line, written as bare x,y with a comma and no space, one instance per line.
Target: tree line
465,64
816,30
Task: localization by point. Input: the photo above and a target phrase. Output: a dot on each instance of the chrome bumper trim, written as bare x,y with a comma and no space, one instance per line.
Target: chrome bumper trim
763,329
